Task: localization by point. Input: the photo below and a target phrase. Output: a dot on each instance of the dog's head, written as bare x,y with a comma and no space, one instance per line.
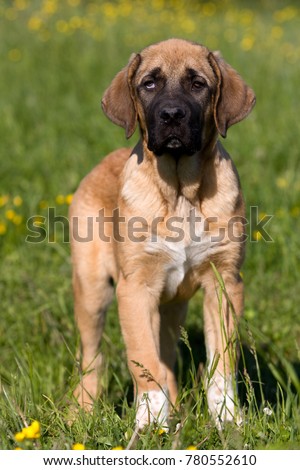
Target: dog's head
180,93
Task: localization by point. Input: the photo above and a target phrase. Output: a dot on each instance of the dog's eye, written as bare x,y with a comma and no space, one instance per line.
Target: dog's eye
149,84
198,84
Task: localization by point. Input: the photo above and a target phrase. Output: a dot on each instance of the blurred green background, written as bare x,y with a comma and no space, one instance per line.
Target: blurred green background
57,58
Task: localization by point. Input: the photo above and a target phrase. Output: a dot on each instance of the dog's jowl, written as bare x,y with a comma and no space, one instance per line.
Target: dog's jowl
163,220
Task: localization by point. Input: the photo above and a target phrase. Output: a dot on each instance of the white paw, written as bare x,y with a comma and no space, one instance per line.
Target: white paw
222,402
152,407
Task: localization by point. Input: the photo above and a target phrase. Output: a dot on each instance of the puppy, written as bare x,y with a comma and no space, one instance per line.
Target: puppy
161,221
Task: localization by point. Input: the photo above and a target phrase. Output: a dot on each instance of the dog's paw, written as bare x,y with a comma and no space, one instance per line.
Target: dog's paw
86,392
152,407
222,402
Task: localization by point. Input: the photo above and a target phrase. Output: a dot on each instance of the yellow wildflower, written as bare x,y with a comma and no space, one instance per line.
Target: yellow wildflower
3,200
21,4
110,10
20,436
60,199
125,9
158,4
30,432
256,235
75,22
191,448
49,7
282,183
68,198
285,14
17,220
36,427
247,43
3,228
188,25
38,220
10,214
34,23
118,448
17,201
161,431
78,446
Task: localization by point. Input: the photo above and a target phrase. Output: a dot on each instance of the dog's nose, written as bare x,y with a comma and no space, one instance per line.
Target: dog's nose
172,114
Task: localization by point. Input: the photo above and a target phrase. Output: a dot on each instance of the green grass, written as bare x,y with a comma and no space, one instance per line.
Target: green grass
57,58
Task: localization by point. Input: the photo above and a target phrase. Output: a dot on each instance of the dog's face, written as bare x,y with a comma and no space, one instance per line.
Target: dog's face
174,91
180,93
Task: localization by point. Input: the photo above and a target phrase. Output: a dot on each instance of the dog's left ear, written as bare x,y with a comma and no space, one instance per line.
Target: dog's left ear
234,99
118,101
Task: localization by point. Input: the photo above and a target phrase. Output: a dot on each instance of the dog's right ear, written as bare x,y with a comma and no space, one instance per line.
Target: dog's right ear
118,102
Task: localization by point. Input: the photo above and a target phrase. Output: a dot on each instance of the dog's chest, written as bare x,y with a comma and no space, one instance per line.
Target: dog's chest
182,254
183,260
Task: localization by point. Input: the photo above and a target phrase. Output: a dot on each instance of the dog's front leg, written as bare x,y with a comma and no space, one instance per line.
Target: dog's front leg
222,310
139,319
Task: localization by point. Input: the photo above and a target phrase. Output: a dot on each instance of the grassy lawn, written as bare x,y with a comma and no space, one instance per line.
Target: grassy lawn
57,58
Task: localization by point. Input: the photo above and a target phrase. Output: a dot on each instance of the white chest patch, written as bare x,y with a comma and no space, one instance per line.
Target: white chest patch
183,255
182,259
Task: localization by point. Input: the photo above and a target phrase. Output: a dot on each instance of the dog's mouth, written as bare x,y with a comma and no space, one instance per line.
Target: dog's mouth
174,146
173,142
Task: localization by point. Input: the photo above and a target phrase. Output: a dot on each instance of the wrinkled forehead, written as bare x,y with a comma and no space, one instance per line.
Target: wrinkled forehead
174,58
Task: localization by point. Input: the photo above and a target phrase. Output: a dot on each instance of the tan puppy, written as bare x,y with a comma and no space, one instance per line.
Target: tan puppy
155,221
